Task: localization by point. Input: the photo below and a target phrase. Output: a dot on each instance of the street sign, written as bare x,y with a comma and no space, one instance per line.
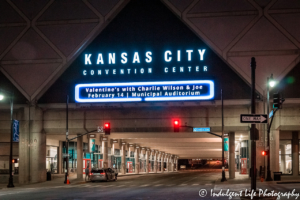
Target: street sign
254,118
201,129
100,129
15,130
271,114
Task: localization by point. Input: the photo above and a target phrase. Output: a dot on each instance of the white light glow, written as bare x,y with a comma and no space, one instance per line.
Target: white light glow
168,57
87,59
272,83
1,97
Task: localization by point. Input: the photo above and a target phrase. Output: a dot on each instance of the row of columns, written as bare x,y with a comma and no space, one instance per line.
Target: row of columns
157,155
171,160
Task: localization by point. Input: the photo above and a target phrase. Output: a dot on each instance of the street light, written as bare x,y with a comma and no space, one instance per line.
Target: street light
270,83
11,95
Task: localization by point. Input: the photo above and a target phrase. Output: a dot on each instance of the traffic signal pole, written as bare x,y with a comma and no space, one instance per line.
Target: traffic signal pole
253,128
269,178
223,164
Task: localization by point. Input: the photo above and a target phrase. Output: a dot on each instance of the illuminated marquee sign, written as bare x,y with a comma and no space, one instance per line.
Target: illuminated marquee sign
145,91
144,75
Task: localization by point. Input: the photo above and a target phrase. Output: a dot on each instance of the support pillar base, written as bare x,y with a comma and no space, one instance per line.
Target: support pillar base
10,182
223,176
269,178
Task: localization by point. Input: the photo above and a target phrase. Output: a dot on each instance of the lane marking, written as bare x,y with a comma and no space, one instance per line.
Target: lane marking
195,184
121,186
144,185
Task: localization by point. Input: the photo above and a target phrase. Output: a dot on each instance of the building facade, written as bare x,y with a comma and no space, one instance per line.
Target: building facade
139,65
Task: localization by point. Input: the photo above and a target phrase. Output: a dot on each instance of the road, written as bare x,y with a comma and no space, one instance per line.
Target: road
177,185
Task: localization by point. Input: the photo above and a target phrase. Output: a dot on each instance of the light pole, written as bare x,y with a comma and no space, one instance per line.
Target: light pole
11,94
223,165
271,83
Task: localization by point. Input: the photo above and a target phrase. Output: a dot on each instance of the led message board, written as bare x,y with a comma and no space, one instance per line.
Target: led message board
160,75
145,91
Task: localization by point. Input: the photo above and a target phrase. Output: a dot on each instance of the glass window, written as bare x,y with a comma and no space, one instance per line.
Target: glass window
132,154
97,171
51,159
130,165
285,156
117,152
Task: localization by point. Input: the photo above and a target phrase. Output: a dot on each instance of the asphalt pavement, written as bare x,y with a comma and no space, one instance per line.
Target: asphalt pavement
195,184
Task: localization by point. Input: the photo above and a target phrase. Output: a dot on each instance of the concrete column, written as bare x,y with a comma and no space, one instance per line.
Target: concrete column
32,146
105,153
24,162
283,160
167,162
274,149
295,154
171,163
112,148
155,161
60,159
147,161
137,162
173,158
231,155
176,164
123,158
80,158
162,162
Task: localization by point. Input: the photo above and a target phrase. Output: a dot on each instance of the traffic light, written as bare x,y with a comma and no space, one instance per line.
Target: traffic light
276,99
264,153
176,125
107,128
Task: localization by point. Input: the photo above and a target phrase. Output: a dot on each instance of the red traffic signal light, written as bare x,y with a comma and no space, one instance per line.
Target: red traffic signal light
176,125
264,153
107,128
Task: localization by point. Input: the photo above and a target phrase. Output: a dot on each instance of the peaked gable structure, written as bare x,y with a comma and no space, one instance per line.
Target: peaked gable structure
139,40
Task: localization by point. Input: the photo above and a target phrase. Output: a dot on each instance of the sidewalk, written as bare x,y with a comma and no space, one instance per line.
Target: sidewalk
58,180
242,182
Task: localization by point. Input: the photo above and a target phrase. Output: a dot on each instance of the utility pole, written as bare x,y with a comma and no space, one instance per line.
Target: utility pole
11,179
269,178
67,141
223,165
253,132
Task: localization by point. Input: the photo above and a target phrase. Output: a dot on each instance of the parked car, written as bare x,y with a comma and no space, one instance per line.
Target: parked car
104,174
